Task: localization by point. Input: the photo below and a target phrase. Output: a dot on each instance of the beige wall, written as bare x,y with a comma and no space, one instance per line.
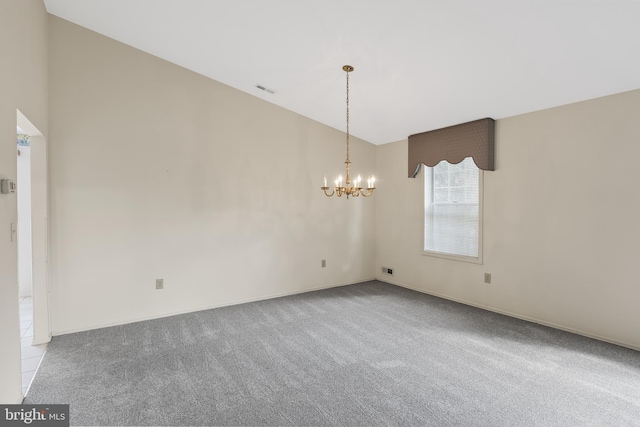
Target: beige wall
158,172
23,86
561,234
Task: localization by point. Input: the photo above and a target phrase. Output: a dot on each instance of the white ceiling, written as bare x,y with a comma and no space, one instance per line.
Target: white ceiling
419,64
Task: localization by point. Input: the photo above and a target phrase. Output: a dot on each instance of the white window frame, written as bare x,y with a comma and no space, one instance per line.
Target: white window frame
427,180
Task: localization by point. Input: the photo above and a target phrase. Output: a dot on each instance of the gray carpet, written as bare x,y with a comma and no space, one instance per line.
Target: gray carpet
362,355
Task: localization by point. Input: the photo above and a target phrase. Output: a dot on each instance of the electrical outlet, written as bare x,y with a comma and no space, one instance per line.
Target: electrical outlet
323,263
487,277
159,283
387,270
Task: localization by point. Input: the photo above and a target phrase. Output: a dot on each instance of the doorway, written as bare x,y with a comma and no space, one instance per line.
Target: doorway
32,245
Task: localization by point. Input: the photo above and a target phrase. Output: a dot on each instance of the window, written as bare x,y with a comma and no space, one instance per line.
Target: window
453,211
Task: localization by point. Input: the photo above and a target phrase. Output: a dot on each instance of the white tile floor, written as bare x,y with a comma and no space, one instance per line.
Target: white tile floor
31,354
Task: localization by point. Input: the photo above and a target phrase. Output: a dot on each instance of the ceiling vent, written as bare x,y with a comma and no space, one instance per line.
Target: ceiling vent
266,89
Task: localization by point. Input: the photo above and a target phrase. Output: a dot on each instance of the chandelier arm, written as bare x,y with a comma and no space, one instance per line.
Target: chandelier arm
325,191
369,194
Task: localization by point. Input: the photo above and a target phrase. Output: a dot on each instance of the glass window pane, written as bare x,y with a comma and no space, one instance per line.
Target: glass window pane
452,218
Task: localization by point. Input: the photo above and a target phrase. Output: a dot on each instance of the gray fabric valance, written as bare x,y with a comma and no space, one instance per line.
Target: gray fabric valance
453,144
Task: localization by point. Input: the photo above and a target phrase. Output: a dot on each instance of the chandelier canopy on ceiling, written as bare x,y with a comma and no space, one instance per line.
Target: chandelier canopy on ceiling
353,189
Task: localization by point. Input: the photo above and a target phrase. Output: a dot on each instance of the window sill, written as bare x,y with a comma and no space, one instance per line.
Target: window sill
473,260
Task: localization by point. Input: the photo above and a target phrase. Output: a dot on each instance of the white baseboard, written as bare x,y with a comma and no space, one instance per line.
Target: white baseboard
176,313
41,340
517,316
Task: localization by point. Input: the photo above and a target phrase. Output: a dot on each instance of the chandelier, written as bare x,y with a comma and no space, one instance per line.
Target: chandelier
353,189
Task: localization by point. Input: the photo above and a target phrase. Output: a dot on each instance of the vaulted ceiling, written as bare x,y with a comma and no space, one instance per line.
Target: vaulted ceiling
419,64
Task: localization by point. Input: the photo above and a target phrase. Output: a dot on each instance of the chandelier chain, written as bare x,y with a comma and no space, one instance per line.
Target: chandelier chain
347,116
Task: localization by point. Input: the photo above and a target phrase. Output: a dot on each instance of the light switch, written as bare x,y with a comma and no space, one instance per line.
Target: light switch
7,186
14,230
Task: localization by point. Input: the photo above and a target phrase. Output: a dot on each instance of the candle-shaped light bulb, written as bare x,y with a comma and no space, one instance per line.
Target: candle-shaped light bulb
337,182
373,181
340,180
325,180
358,181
